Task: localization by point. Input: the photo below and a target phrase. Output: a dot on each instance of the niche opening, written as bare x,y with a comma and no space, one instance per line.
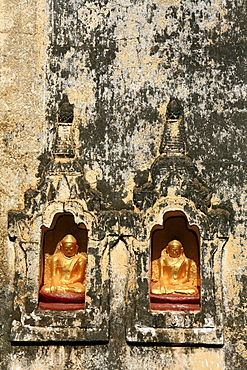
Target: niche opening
63,264
175,280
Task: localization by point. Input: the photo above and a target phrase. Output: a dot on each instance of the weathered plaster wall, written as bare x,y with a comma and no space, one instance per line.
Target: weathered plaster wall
120,63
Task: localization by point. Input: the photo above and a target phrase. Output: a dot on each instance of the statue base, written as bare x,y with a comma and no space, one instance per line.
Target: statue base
175,302
61,306
61,301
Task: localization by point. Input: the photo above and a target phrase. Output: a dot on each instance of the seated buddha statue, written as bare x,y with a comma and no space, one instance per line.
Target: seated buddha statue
177,273
65,269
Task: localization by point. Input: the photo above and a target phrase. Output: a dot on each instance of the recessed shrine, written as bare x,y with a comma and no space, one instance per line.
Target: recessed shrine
175,265
63,262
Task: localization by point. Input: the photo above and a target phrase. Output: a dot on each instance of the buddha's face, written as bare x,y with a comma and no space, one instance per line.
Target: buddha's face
69,249
174,249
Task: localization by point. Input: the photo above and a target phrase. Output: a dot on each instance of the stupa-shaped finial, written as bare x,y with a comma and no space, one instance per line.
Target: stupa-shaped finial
64,144
173,138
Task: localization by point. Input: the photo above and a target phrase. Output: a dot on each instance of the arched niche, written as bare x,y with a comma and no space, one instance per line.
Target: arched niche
63,223
175,226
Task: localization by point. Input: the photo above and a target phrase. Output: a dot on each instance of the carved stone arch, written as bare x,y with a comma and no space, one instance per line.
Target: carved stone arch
50,210
82,215
180,205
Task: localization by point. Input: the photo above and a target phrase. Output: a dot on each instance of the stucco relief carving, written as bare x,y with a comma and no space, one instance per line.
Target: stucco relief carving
176,189
61,192
174,174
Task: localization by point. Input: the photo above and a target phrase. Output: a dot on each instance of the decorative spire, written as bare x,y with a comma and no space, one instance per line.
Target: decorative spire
64,144
172,144
63,159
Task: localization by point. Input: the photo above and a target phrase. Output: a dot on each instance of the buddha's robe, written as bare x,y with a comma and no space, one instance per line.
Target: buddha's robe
65,274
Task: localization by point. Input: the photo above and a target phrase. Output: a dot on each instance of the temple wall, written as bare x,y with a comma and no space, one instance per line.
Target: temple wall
119,64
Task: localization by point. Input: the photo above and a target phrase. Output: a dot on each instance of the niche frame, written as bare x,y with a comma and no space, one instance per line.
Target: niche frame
33,324
204,327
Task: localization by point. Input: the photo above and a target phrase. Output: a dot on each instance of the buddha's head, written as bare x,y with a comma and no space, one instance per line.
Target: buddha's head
174,249
69,245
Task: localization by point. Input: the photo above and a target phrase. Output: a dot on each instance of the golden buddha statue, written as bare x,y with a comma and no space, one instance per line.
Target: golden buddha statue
176,272
65,269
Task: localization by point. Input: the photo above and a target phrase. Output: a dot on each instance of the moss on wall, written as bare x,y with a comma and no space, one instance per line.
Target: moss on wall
119,64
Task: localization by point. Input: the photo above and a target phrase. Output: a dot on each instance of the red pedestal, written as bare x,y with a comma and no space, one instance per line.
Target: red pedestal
61,306
175,302
61,301
174,307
